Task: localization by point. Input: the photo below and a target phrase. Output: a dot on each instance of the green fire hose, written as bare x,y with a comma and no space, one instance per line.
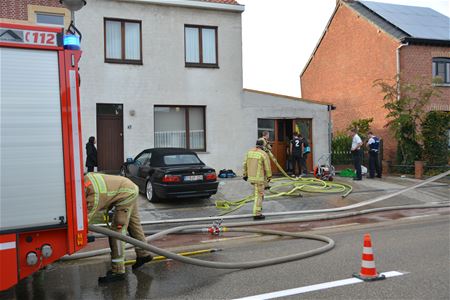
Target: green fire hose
287,186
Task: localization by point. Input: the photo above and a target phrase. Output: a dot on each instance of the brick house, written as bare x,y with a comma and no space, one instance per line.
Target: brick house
168,73
365,41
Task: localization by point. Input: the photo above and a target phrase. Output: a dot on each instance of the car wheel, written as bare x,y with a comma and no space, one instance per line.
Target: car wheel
150,192
122,172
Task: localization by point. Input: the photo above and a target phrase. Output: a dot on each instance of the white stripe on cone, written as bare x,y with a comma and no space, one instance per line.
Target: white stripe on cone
368,264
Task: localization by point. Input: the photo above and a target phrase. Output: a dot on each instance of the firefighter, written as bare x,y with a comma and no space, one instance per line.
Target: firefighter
105,192
265,139
257,171
267,148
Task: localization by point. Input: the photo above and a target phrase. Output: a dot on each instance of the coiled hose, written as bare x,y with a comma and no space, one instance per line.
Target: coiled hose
223,265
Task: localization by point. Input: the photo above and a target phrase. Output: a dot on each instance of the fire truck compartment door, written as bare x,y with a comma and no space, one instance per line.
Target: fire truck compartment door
32,189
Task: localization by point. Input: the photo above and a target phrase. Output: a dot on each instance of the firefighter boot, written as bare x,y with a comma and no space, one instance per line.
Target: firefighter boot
111,277
141,260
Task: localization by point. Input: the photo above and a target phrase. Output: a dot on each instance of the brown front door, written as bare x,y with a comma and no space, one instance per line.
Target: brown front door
280,131
280,144
110,137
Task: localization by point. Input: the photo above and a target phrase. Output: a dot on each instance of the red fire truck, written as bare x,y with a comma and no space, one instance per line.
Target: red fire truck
42,207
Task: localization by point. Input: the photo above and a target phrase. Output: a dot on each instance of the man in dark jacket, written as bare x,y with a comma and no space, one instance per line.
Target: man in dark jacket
91,155
374,150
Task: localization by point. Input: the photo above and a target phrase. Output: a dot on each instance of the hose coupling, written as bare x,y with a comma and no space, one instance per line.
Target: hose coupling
216,227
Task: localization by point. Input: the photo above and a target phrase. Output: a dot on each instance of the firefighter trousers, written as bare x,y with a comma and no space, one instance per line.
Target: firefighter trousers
259,197
126,219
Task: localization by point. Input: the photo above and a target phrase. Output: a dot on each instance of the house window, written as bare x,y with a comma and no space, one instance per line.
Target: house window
123,41
441,69
50,19
180,127
200,43
266,125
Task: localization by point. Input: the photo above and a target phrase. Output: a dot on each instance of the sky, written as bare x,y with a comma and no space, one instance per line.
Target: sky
279,36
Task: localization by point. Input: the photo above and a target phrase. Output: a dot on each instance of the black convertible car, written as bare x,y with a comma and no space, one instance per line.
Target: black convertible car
164,173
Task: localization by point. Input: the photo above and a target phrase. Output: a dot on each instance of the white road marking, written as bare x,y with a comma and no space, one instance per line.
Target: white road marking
335,226
418,217
315,287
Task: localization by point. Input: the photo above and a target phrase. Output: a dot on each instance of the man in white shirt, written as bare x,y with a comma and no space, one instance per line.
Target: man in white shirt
356,153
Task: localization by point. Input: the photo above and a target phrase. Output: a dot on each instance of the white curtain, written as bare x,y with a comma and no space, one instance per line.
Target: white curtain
192,45
113,40
170,127
196,127
209,45
132,41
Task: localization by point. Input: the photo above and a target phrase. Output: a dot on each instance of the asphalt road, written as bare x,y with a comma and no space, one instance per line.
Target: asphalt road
419,247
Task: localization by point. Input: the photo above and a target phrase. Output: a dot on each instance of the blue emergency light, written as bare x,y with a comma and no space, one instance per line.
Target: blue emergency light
71,42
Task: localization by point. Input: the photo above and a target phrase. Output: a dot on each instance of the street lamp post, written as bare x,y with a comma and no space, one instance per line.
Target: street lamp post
72,31
73,6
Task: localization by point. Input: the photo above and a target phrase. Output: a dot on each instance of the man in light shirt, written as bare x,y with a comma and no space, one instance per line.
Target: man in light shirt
356,153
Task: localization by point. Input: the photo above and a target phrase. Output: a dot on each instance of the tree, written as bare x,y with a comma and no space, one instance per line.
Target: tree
435,139
405,103
362,126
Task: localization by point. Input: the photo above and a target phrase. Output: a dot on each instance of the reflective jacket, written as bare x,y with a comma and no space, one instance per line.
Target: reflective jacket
257,166
105,191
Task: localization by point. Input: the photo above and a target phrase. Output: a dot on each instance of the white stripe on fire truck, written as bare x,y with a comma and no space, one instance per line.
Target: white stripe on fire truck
76,149
8,245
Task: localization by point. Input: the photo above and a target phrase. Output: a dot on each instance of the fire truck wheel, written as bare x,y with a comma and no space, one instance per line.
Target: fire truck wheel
150,192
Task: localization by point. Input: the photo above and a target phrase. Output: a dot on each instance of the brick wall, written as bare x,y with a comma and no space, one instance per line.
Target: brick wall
353,53
17,9
416,63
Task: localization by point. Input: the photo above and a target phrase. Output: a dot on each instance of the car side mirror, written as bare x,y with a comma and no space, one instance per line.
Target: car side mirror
130,160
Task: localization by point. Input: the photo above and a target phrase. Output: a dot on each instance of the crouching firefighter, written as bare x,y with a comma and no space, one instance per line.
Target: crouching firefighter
258,172
105,192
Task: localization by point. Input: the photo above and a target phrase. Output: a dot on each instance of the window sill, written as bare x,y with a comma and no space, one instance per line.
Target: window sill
124,62
206,66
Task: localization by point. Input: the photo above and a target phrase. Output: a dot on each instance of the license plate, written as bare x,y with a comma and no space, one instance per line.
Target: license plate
193,178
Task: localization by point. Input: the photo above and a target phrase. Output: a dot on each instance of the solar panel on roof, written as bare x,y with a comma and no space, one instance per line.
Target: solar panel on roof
418,22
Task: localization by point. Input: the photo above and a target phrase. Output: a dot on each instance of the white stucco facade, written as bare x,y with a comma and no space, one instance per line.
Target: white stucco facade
163,79
260,105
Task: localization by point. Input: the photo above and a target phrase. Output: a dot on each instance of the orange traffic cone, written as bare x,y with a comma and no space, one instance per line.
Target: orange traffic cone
368,269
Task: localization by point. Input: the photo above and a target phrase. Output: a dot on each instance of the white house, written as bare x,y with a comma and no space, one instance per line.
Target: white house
169,74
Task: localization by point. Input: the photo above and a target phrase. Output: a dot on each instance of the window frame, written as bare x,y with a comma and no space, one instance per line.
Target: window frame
446,62
63,16
201,64
33,10
122,60
186,120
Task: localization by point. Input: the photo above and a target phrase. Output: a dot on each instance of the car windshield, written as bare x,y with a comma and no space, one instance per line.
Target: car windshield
181,159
